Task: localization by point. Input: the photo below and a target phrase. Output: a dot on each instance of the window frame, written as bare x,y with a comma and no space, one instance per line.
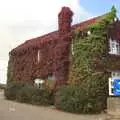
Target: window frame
38,55
115,74
114,47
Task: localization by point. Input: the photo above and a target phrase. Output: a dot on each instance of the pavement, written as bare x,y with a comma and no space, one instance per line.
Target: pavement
10,110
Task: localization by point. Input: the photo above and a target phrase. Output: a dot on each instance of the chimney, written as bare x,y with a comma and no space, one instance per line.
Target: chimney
65,20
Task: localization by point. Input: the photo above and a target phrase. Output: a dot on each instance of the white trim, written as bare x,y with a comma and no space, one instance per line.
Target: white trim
114,47
110,86
88,32
72,50
39,83
38,56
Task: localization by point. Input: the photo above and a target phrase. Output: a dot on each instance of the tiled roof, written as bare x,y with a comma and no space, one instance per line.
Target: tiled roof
81,26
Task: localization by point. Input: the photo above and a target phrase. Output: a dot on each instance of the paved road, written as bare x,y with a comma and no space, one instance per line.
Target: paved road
16,111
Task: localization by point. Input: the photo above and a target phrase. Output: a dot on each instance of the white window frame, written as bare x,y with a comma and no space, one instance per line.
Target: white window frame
111,86
39,83
38,56
114,47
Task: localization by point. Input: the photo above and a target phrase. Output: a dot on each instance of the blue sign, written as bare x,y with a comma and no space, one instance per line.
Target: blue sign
116,85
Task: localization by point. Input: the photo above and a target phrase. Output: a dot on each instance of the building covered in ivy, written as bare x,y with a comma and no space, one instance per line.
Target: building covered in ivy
72,54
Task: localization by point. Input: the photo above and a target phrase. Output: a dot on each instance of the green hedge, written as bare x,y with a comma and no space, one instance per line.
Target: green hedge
12,89
89,97
28,94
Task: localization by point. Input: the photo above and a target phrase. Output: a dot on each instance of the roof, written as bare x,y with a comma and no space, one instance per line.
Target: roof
37,41
54,35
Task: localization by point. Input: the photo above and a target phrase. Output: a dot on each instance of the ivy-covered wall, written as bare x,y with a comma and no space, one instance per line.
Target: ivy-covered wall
90,52
54,54
26,66
89,59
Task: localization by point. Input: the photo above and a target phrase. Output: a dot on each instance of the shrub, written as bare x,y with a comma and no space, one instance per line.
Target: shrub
43,97
12,90
26,93
89,97
71,99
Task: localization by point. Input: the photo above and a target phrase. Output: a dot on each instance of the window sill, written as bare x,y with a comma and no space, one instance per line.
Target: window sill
116,54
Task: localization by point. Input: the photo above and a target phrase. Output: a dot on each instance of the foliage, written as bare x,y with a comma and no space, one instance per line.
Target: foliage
91,49
49,83
27,93
12,89
89,97
91,81
54,54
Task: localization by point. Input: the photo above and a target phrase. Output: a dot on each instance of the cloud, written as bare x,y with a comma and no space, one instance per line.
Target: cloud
25,19
21,20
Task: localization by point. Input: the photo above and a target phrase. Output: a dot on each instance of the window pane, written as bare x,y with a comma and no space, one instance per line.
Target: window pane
115,74
113,45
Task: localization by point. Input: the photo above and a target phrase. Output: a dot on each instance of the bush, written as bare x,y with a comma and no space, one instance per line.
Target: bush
12,89
89,97
71,99
43,97
25,94
29,94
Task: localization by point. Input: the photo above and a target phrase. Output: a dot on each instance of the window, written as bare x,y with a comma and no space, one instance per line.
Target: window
115,74
51,76
38,56
88,32
39,83
114,47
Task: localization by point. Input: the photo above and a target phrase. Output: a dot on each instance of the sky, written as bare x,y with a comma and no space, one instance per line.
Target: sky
100,6
21,20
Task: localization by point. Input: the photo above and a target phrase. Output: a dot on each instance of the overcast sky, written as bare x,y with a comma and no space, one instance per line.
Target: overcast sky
21,20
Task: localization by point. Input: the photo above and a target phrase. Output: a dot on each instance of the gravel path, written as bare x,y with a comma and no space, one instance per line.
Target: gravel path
16,111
